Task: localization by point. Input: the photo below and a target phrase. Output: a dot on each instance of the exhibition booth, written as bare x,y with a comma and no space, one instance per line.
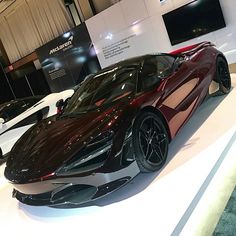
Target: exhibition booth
185,198
189,193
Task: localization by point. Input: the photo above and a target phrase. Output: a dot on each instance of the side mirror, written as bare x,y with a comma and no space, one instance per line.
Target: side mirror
1,122
60,104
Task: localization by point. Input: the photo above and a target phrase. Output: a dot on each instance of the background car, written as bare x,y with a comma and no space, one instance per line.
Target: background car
19,115
119,122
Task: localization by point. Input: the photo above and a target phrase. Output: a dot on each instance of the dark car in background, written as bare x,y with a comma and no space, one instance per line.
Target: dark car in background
13,108
10,110
17,116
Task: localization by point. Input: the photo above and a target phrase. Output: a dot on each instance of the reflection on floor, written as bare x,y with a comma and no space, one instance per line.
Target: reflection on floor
186,197
226,224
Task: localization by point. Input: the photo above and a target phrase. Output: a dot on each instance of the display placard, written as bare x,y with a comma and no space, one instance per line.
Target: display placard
68,59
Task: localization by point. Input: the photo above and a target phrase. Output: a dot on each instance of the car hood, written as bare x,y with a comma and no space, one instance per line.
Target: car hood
46,146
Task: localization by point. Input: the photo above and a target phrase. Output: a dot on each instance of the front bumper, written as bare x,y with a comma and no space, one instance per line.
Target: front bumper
73,190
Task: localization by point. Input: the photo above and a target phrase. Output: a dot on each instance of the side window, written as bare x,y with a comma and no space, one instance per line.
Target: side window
30,102
149,74
32,119
12,110
15,108
165,65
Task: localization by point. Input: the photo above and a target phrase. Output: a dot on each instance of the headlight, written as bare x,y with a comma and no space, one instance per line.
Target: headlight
91,156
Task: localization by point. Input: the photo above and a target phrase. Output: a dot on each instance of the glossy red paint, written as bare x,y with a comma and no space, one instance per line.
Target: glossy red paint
191,48
195,74
55,150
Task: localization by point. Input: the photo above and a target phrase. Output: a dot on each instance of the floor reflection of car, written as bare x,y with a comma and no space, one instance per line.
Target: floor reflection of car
118,123
19,115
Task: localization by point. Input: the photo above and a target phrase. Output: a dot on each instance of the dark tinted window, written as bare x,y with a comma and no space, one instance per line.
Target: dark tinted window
32,119
103,88
165,65
148,75
10,110
155,68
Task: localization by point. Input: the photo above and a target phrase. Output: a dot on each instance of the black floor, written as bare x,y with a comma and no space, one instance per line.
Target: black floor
227,223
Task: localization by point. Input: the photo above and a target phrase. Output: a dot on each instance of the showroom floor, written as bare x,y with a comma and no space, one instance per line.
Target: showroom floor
226,224
187,197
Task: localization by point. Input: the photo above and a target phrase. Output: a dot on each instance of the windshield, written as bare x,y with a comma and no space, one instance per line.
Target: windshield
103,88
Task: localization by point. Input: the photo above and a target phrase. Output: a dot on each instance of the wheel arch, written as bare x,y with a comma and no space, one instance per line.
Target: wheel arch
216,78
160,114
221,55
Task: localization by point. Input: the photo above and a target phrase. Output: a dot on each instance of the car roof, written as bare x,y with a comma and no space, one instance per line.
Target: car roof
131,61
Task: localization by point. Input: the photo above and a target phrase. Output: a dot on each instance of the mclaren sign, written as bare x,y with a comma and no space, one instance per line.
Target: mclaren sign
63,46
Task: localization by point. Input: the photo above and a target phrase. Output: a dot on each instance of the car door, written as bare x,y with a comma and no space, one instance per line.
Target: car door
181,93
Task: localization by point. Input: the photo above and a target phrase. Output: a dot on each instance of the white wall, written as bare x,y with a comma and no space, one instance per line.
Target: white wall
136,27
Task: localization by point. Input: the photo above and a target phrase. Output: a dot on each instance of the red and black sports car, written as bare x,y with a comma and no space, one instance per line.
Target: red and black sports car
119,122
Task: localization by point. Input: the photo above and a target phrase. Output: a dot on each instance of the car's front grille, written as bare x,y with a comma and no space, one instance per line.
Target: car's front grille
73,194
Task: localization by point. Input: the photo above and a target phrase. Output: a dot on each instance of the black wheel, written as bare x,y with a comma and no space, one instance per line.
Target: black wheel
222,77
150,141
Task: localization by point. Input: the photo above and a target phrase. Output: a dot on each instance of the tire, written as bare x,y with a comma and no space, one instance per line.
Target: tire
150,142
222,77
